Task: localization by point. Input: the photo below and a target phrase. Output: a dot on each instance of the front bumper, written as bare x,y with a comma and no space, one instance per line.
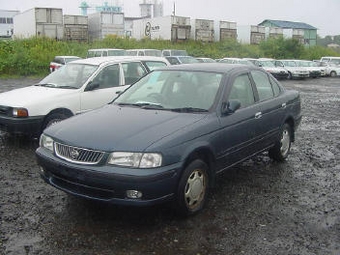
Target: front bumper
27,126
109,183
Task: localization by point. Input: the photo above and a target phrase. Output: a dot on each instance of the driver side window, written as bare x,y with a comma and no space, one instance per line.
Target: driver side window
108,77
242,91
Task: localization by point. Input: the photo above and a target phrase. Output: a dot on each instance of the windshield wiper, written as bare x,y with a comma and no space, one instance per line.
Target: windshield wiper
144,105
189,109
51,85
67,87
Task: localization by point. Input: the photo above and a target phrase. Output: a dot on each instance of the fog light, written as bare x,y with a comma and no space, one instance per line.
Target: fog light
133,194
42,170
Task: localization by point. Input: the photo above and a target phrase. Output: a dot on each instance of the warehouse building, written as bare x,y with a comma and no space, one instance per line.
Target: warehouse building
303,32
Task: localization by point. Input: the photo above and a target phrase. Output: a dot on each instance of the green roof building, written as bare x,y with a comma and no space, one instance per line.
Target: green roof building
305,33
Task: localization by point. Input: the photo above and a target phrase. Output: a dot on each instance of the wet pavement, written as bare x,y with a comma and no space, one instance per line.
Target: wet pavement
258,207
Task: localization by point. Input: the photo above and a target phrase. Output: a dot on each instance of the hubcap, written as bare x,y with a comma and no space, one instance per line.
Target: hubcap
285,142
195,189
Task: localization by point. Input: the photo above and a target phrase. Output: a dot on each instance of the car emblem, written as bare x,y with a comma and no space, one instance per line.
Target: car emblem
74,154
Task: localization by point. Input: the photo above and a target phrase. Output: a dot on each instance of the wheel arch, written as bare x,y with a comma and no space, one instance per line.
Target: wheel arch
290,121
206,155
65,111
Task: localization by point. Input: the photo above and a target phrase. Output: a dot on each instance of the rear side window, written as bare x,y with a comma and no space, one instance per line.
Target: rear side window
152,65
263,85
132,72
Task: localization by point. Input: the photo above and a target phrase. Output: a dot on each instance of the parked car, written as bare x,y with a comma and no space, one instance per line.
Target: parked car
236,61
59,61
170,135
267,64
91,53
174,52
206,60
294,71
144,52
77,87
314,70
331,69
177,60
331,60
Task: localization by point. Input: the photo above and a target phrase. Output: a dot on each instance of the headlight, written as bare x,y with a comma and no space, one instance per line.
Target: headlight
135,159
46,142
20,112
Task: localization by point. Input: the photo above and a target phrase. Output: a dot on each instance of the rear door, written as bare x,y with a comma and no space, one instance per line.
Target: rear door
271,107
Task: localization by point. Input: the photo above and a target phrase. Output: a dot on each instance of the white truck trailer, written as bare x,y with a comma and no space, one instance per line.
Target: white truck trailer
39,22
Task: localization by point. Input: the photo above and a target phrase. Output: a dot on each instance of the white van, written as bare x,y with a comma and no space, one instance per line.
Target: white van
333,60
144,52
105,52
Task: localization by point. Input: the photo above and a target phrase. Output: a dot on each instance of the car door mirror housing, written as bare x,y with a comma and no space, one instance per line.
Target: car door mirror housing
92,86
231,106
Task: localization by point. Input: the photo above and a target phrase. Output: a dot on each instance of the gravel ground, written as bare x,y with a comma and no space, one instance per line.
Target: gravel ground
258,207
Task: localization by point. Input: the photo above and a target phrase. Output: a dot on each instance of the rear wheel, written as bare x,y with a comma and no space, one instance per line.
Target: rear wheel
193,188
282,147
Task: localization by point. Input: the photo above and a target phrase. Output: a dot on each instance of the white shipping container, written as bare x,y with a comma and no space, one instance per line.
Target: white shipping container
75,20
171,28
202,30
225,30
250,34
39,22
101,24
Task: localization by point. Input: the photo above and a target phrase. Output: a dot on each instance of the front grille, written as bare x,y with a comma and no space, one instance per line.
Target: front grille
4,110
78,155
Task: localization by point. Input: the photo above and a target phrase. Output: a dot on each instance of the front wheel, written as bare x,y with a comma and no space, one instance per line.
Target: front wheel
193,188
281,149
53,119
332,74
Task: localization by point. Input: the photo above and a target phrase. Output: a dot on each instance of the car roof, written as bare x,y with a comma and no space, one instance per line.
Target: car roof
211,67
67,57
118,59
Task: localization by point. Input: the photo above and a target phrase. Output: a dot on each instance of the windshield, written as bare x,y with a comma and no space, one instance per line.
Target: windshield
116,53
69,76
174,90
188,60
268,63
289,63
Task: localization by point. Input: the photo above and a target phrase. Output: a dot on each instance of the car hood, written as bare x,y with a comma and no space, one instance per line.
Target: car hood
124,128
30,95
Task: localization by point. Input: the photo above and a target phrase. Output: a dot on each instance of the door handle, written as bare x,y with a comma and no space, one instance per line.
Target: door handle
284,105
258,115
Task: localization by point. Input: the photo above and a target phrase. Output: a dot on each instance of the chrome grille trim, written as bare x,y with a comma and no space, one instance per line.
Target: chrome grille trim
77,155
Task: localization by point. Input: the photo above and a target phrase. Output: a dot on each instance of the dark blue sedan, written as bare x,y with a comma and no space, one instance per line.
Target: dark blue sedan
169,135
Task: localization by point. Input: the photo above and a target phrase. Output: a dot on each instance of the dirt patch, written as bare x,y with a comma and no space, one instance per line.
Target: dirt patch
258,207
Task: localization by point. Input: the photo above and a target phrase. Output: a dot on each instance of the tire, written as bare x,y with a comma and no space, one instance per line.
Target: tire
53,119
289,77
193,188
332,74
281,149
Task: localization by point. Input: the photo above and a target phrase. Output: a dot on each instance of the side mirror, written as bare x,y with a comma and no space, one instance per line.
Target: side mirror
92,86
231,106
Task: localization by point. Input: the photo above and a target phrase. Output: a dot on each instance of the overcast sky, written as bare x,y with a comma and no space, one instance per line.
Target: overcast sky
322,14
